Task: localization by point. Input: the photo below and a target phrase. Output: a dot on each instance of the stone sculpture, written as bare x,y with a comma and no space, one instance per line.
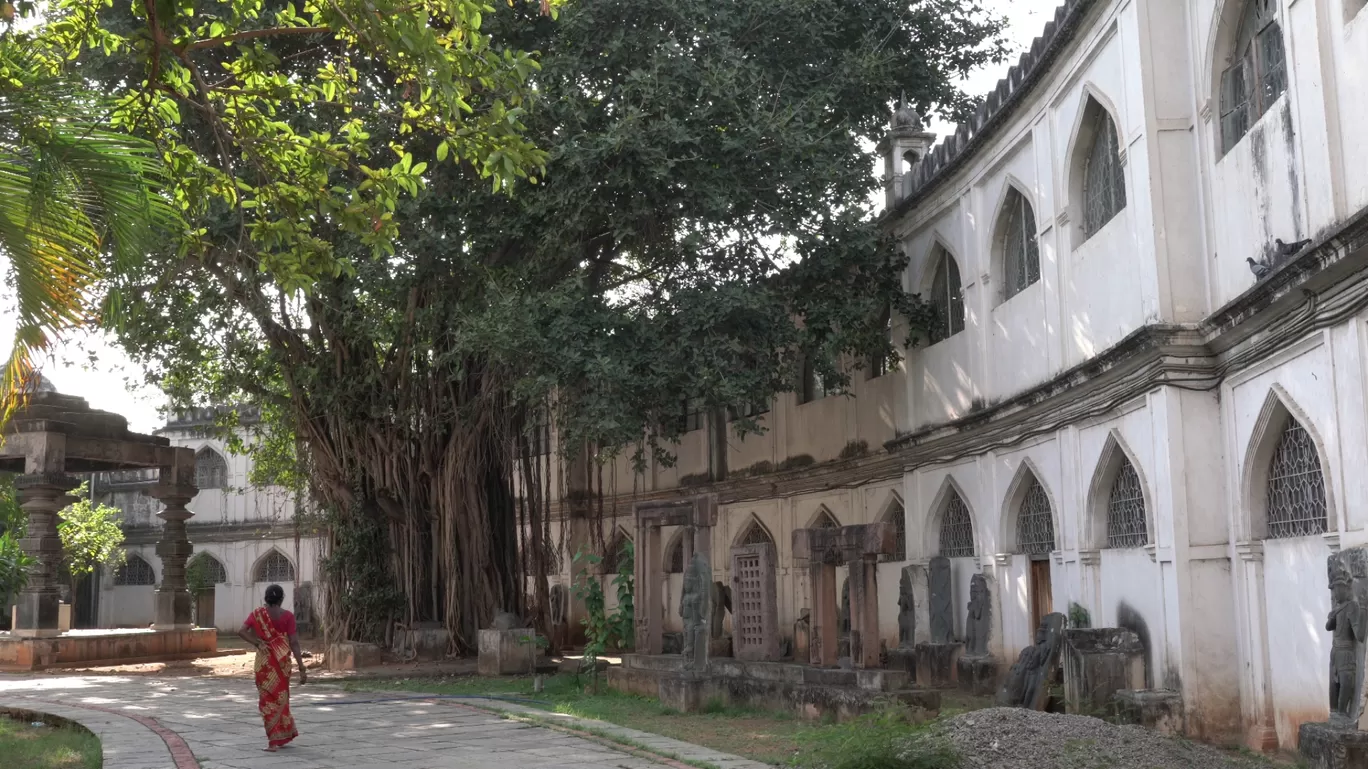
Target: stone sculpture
907,612
1342,742
941,602
560,604
694,608
979,619
1346,624
721,605
1028,681
506,621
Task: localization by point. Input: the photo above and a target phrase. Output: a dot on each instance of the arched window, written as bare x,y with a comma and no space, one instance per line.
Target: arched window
275,567
134,571
674,562
947,297
1256,72
615,552
214,571
825,520
1126,509
1035,523
1104,183
1020,247
1296,486
956,530
211,469
896,515
755,534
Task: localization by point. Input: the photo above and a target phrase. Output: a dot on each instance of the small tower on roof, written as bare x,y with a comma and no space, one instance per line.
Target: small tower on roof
906,144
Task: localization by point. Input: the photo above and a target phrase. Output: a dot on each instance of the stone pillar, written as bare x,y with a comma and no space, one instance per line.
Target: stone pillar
864,611
649,570
1260,734
41,496
825,615
174,549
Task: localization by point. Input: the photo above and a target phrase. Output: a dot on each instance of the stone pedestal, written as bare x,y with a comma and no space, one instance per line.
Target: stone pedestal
686,693
351,655
36,607
720,647
937,664
1157,709
174,549
903,658
1098,663
507,652
977,675
1327,746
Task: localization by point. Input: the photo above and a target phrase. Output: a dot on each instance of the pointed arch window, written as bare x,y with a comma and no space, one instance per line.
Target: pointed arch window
897,515
1035,522
211,469
1104,181
1256,74
1296,485
134,571
615,553
1020,247
947,297
214,571
956,529
674,563
1126,509
825,520
755,535
275,567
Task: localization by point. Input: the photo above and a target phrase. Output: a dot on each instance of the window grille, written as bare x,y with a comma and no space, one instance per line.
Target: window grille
756,535
956,531
825,520
1035,524
214,570
1021,249
211,470
1296,487
1126,509
134,571
896,515
674,564
1104,183
947,298
275,567
1257,74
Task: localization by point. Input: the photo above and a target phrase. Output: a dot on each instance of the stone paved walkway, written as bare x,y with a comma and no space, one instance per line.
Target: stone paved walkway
212,723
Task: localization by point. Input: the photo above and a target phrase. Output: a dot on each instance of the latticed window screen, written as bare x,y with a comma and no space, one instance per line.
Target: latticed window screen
211,469
275,567
213,568
750,630
674,563
1126,509
947,297
956,531
1020,248
1104,183
755,535
896,515
1257,74
1296,487
135,571
825,520
1035,524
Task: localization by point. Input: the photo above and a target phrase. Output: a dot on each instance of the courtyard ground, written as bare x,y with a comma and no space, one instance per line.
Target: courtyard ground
27,744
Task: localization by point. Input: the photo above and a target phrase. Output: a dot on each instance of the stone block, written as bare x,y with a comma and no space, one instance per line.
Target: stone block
1098,663
1326,746
352,655
937,664
685,694
925,699
904,660
977,675
1157,709
63,617
506,652
112,648
720,647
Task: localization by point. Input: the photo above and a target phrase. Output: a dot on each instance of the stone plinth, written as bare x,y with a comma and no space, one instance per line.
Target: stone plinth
507,652
720,647
1326,746
113,648
977,675
1157,709
904,659
353,655
1098,663
937,664
427,640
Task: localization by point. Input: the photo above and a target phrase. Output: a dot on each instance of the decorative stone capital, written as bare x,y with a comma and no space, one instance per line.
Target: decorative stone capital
1252,551
1058,556
1090,557
1003,560
1153,552
1332,541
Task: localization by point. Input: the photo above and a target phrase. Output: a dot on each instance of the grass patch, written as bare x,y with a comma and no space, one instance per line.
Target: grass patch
47,747
885,740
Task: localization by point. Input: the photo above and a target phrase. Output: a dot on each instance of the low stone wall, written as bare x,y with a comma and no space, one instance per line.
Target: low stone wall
91,648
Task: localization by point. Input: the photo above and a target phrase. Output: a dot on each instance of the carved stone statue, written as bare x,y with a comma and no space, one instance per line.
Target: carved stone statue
979,620
694,608
1029,679
1349,628
560,604
721,604
845,607
941,610
907,612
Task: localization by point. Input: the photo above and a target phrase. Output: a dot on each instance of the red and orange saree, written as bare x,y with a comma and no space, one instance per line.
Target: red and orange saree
273,679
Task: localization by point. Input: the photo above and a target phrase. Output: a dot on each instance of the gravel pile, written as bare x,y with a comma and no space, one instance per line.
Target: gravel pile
1014,738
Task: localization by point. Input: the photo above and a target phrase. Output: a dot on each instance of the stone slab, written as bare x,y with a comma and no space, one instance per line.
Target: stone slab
92,649
1323,746
977,675
1157,709
937,664
353,655
1098,663
506,652
942,608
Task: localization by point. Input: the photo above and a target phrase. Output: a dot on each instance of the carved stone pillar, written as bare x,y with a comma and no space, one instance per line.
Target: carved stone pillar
649,575
174,549
825,616
864,611
41,496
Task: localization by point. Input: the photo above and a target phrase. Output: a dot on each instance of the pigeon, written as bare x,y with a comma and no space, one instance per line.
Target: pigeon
1258,268
1290,249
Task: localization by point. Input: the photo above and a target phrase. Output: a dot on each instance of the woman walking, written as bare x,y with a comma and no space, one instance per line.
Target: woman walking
271,630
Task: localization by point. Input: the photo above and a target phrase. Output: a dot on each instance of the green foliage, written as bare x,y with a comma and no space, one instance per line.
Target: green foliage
197,578
855,450
1079,616
358,566
882,740
622,625
12,517
47,747
597,629
90,534
14,564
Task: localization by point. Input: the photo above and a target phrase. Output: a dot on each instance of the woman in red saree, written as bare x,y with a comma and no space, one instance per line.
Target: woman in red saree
271,630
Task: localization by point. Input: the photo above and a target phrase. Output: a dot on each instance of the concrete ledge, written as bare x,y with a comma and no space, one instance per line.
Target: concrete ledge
114,648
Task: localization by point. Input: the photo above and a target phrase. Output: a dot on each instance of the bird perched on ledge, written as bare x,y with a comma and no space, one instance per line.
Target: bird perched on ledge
1259,268
1290,249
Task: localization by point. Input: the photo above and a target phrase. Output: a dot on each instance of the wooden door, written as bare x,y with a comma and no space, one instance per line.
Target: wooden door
755,610
1042,596
204,609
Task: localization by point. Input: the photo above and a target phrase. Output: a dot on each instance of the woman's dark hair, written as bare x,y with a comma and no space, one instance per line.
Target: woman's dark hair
275,595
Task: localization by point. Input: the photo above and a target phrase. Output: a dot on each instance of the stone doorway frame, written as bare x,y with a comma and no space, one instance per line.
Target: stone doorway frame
698,515
766,604
858,548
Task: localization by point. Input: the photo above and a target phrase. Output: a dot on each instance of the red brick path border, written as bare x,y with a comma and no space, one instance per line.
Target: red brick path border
180,751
